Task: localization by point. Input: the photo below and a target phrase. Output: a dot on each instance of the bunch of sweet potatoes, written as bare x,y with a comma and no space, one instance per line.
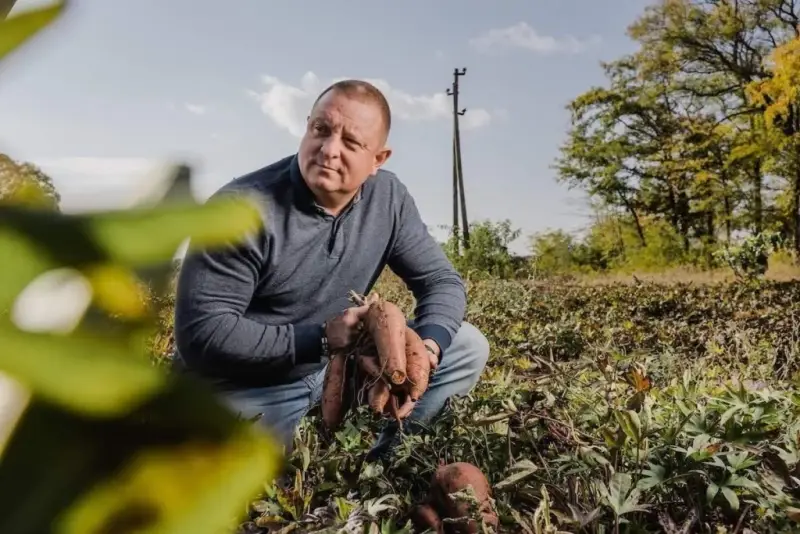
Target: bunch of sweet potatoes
389,368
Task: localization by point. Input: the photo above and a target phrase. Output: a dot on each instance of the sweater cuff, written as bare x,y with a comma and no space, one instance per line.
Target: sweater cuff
308,343
437,333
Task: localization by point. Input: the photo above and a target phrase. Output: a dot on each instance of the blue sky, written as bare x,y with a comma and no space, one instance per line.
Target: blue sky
117,88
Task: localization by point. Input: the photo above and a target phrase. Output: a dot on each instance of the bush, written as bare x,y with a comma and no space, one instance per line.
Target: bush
488,253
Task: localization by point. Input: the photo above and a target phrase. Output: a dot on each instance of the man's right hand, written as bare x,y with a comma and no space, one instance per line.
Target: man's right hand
343,330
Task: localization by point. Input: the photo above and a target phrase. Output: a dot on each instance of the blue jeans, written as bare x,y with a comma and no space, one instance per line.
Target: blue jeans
282,407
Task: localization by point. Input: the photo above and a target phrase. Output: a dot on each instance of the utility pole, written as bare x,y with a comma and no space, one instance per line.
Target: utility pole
458,175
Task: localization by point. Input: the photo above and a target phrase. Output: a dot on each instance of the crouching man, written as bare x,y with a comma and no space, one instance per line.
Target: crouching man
260,319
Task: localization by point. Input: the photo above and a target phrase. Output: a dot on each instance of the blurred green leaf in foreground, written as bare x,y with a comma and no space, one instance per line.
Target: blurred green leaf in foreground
95,438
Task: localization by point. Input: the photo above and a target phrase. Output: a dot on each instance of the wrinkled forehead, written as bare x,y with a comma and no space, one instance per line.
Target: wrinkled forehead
355,114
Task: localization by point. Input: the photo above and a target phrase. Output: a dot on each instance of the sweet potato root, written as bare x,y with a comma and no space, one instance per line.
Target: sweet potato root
418,365
379,396
405,405
455,477
369,365
386,326
333,389
424,517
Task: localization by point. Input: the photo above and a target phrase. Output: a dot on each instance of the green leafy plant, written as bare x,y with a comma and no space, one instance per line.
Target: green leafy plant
749,259
101,440
604,408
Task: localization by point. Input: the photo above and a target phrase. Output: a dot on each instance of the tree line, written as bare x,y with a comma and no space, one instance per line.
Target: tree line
697,132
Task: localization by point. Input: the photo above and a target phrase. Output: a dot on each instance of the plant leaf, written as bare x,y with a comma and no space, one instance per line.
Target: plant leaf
14,31
88,373
711,491
522,470
731,497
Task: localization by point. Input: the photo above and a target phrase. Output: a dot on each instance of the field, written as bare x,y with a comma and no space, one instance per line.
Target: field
604,408
611,402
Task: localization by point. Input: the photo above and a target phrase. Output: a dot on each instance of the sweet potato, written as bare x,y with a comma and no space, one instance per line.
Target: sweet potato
418,364
424,518
369,365
379,396
455,477
405,405
386,325
333,388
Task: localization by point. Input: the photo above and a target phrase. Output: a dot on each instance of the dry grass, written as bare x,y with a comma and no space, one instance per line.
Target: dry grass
779,270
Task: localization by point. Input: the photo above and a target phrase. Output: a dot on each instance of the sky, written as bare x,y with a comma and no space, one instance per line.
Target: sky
117,89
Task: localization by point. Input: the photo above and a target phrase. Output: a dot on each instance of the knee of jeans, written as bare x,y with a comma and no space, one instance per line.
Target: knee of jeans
475,347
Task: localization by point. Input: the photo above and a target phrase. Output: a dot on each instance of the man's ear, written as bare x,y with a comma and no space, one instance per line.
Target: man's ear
381,157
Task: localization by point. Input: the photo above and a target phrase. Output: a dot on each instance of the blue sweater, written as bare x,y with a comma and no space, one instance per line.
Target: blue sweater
253,313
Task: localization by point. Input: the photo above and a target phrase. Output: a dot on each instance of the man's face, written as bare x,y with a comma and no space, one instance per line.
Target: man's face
343,144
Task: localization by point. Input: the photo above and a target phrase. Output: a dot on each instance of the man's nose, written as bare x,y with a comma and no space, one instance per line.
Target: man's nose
331,147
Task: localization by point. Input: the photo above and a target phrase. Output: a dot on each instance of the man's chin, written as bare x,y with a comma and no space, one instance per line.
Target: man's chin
325,182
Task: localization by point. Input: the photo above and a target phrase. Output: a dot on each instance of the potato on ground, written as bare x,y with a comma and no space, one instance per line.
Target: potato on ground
455,477
424,517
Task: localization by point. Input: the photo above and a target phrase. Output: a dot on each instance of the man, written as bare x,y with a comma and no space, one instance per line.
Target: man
260,319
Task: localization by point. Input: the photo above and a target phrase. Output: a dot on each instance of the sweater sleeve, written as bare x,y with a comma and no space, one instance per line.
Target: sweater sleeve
211,329
420,261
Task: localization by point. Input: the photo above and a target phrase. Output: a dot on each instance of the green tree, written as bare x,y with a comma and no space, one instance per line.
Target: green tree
697,128
488,251
636,146
719,48
598,156
24,183
779,97
553,252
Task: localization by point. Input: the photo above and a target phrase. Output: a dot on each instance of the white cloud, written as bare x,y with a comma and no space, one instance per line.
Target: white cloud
522,35
195,109
288,105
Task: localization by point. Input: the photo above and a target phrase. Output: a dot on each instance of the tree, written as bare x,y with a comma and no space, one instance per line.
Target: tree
699,127
638,146
779,97
719,48
24,183
488,252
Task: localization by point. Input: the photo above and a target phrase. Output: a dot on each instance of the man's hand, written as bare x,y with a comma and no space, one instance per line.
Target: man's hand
343,330
433,352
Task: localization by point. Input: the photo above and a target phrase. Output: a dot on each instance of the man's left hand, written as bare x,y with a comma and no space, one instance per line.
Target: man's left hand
433,354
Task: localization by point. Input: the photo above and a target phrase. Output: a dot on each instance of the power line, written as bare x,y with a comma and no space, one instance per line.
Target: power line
458,174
